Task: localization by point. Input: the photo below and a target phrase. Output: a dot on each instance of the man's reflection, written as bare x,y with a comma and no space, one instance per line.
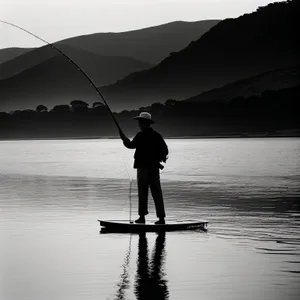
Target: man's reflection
150,282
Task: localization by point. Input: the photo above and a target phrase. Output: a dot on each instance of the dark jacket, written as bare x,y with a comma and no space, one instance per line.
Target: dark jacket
151,149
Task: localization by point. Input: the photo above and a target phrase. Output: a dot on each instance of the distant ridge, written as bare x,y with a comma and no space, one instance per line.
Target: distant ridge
252,86
103,69
55,80
151,44
138,44
10,53
20,75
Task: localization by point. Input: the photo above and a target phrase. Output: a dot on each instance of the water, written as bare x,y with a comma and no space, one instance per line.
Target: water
53,192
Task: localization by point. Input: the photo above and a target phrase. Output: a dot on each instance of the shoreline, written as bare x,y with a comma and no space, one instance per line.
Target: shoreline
225,136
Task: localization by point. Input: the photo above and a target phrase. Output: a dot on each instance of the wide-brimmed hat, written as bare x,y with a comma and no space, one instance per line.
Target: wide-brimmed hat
145,116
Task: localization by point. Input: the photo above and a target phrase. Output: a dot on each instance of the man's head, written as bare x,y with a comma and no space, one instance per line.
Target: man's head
144,119
143,124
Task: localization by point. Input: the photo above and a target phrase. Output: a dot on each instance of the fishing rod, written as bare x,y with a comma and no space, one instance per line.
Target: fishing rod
92,84
76,65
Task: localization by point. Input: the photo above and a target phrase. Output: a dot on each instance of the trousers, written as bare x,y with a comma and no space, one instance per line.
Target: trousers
149,177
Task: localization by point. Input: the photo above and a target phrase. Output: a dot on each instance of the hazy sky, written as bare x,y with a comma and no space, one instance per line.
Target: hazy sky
58,19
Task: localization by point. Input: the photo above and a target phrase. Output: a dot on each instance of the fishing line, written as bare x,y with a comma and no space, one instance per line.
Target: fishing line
130,189
91,83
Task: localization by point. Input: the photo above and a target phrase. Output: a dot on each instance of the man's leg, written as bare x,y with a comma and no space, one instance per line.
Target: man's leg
156,192
143,188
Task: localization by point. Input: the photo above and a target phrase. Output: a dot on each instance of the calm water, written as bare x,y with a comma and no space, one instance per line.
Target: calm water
53,192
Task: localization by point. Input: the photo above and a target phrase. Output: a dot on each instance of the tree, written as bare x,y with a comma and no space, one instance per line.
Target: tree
4,114
41,108
75,103
61,109
156,106
170,102
79,106
28,111
97,104
15,112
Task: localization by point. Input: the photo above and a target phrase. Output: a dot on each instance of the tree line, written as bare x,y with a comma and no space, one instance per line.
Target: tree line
268,112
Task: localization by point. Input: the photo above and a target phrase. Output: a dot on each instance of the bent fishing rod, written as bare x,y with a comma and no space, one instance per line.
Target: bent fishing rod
76,65
92,84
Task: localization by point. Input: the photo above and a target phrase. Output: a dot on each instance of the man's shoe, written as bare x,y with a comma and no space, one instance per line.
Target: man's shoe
160,222
140,220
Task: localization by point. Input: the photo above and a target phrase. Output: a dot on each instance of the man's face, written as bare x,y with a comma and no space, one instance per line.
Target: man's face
143,124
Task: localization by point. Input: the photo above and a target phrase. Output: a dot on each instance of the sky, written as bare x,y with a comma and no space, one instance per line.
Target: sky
55,20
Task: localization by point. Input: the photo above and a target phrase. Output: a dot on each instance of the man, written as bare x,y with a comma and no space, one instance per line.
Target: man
151,149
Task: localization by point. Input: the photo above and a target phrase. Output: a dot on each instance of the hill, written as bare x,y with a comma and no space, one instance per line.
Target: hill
51,82
44,75
10,53
262,41
19,89
253,86
102,69
151,44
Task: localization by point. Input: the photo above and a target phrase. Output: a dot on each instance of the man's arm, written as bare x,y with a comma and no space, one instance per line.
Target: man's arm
164,151
127,143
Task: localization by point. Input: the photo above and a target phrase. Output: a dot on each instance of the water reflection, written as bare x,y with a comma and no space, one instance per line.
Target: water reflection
150,282
124,283
248,190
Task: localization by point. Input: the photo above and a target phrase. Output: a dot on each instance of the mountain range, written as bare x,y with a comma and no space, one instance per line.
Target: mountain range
234,57
254,43
151,44
21,73
101,69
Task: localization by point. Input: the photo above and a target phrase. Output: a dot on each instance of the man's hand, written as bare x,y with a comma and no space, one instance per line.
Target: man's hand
123,136
165,159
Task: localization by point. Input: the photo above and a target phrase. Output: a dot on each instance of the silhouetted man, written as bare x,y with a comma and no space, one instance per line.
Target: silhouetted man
151,149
